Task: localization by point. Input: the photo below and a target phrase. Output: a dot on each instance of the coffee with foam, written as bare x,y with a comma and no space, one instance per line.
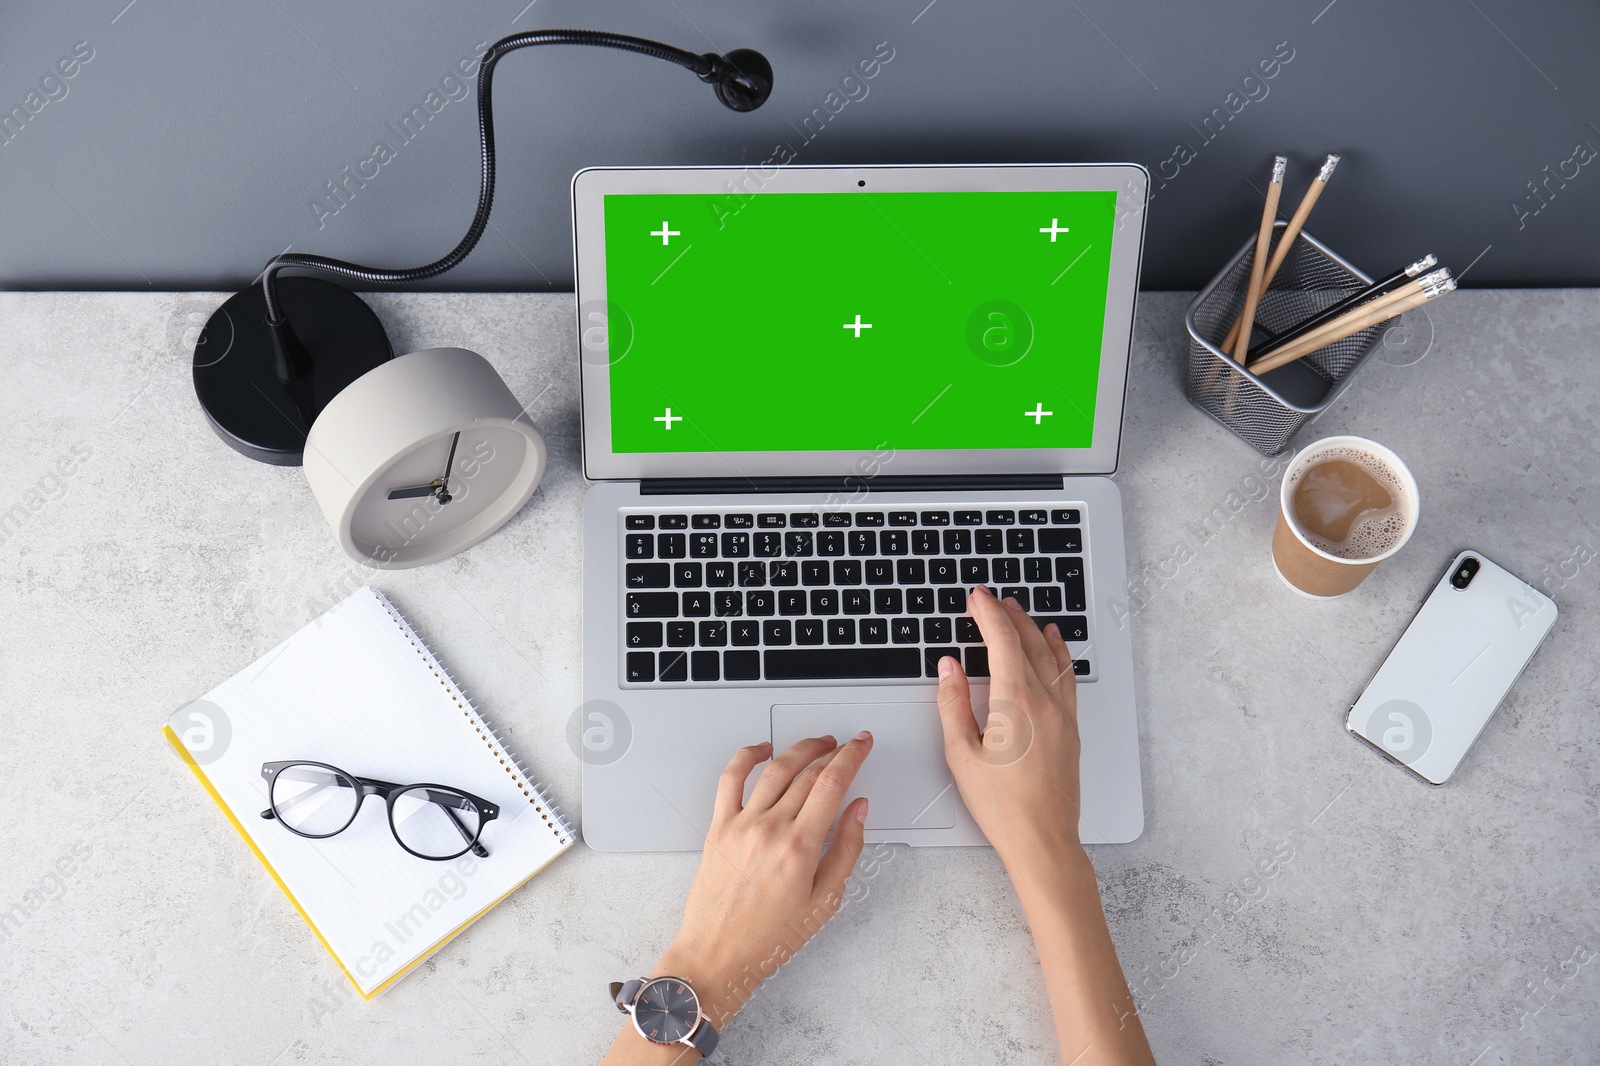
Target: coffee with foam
1350,503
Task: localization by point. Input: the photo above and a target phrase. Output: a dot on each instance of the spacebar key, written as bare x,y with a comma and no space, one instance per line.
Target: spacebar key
818,664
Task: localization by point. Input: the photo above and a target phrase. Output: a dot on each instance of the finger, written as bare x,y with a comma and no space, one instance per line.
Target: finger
1034,646
955,707
1066,683
785,767
833,872
822,805
795,797
1007,663
730,787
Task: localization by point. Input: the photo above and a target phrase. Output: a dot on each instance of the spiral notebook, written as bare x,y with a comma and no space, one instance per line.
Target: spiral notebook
358,689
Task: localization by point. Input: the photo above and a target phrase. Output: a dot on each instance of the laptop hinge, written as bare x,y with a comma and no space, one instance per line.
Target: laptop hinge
683,486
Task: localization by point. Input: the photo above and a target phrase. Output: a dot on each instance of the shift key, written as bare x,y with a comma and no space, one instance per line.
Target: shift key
651,605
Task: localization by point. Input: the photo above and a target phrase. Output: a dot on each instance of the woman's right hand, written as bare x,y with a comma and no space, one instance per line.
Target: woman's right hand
1019,778
1019,775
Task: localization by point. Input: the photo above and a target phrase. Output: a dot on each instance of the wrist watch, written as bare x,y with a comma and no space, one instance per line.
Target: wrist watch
666,1010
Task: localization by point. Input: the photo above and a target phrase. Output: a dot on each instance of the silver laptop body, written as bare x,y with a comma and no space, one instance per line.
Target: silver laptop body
818,404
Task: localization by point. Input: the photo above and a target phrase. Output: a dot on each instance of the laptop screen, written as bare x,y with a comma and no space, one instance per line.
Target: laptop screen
822,321
857,322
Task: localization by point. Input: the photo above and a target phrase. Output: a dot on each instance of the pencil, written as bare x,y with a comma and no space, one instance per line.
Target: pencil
1317,336
1290,232
1353,323
1371,292
1408,289
1258,265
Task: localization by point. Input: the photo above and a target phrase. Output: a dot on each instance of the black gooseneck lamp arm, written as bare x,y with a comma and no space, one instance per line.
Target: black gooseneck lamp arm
742,80
275,354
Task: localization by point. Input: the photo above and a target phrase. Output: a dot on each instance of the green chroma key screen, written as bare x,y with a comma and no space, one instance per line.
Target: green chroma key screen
854,321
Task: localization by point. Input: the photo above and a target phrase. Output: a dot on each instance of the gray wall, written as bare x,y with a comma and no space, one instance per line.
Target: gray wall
196,140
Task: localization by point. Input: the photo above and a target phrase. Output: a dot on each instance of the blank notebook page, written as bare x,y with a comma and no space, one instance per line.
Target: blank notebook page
358,689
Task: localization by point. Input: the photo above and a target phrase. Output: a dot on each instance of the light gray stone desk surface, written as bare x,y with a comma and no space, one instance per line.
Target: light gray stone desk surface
1294,899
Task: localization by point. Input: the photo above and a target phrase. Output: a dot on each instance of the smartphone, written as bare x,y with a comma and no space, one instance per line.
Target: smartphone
1453,666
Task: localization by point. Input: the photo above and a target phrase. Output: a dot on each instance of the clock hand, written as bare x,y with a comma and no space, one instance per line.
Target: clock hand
444,482
413,493
439,487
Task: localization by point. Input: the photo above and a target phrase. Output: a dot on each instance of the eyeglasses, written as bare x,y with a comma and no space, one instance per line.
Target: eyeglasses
313,799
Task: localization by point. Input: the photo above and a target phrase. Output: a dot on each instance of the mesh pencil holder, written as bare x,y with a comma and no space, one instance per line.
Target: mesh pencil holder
1269,409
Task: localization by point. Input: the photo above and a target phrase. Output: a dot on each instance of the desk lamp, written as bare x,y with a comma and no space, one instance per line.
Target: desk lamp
299,370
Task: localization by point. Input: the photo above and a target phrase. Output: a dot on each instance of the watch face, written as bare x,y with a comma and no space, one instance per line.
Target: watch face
666,1010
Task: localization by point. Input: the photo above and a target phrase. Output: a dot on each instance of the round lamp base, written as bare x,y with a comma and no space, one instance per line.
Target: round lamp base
235,367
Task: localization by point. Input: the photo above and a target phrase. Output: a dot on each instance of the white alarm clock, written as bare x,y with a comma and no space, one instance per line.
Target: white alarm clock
422,457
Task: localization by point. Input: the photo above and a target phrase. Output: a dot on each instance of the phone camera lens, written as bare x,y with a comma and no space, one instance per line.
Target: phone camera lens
861,184
1464,573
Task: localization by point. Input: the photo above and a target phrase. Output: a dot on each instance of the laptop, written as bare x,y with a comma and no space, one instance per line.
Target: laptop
819,404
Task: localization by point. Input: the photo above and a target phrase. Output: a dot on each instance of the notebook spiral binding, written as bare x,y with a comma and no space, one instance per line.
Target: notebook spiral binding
520,778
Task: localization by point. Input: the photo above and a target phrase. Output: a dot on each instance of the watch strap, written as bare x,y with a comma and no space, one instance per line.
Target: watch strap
704,1037
624,992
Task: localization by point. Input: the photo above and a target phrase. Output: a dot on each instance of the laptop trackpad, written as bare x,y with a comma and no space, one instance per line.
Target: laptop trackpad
905,779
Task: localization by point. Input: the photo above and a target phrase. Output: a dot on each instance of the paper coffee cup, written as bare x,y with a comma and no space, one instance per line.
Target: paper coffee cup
1312,569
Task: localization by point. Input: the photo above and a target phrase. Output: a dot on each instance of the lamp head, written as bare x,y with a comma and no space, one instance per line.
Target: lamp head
742,78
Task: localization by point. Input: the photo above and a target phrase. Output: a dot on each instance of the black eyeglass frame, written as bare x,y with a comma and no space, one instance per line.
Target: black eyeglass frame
390,791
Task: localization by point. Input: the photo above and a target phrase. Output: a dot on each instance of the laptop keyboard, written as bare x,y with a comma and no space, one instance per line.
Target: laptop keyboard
840,594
